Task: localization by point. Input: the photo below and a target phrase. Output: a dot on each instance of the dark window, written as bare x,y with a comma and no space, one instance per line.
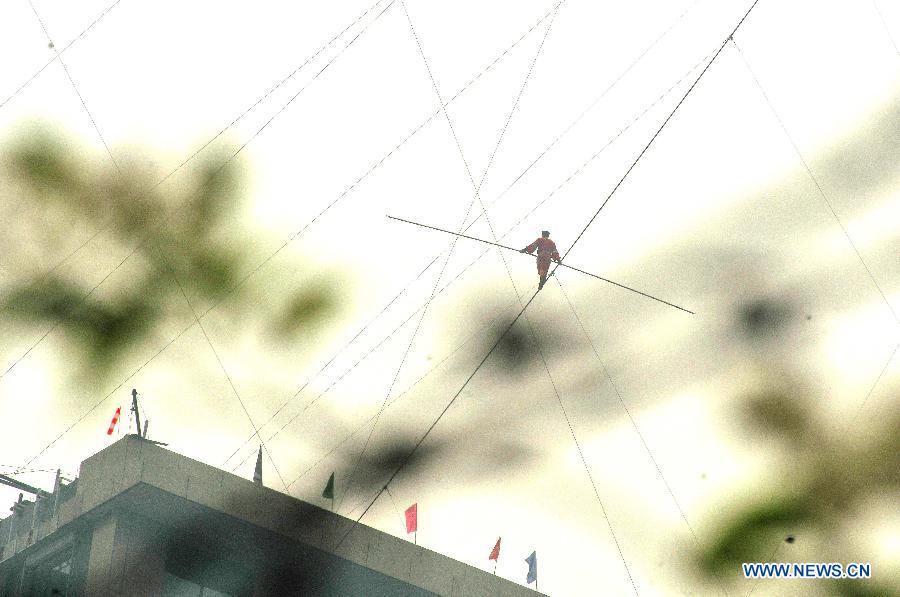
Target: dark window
195,556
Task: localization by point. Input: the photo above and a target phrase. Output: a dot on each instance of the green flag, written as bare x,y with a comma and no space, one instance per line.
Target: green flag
329,489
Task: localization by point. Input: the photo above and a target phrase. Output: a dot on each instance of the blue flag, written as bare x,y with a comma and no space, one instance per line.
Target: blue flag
532,568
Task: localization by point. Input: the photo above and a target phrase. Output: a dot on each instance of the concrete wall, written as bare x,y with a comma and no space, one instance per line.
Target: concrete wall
125,557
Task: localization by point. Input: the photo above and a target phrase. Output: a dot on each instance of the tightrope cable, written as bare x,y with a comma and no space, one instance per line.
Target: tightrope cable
259,266
576,172
503,334
465,218
561,264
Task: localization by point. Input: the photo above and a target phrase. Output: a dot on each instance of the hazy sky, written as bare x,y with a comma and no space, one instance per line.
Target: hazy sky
719,211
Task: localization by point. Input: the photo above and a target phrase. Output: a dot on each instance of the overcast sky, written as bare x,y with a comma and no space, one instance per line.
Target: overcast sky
718,212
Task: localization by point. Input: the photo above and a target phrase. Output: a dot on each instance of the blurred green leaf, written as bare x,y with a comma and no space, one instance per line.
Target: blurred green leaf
775,411
101,329
180,239
43,164
307,307
214,198
748,538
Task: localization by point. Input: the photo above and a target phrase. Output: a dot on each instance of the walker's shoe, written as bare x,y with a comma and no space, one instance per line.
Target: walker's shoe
541,283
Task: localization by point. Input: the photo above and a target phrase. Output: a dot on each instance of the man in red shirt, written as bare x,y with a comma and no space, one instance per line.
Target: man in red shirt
546,250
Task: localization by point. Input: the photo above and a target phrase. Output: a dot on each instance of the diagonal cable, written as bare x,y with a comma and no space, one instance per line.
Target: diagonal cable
816,182
470,225
632,420
46,275
887,29
221,365
93,122
259,266
102,140
846,431
477,195
384,158
660,129
862,404
577,171
59,53
377,164
147,237
243,280
477,189
149,233
500,338
487,326
75,87
515,225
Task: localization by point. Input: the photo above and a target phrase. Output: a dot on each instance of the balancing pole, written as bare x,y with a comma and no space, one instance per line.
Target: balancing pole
649,296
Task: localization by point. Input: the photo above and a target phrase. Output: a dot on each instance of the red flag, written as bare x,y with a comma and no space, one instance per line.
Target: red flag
411,519
115,420
495,553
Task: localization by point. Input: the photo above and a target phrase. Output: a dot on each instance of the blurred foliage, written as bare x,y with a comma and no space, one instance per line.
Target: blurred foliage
306,305
749,534
771,413
517,353
516,350
179,233
103,329
764,317
828,476
830,479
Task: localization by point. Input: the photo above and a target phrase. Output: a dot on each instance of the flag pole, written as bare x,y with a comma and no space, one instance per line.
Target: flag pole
560,264
415,537
328,493
495,567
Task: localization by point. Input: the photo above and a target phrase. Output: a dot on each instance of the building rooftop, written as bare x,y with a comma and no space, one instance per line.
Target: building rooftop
200,507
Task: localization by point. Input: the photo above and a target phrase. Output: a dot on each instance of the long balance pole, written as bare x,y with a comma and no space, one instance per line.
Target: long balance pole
487,242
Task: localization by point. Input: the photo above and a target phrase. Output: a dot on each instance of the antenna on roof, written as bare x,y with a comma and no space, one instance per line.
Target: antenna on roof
141,431
137,414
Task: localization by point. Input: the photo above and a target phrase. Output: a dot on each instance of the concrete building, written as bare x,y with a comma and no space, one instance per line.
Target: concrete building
142,520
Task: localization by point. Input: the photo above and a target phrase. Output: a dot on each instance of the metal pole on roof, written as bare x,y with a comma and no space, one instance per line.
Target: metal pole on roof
12,522
6,480
137,414
57,484
34,511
